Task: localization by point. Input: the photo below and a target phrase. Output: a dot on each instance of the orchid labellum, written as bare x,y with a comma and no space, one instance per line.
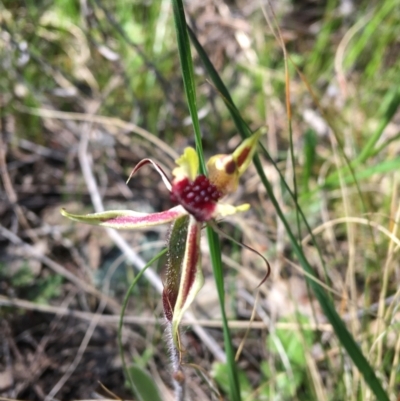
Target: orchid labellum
198,199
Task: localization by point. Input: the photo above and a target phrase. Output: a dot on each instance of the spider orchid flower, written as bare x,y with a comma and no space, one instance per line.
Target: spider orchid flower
197,200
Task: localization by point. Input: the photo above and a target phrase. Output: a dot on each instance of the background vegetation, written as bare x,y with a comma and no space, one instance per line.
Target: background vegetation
89,88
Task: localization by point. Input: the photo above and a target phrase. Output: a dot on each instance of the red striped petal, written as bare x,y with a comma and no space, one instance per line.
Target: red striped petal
128,219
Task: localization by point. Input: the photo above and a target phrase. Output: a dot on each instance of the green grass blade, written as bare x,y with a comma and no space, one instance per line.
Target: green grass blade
310,144
185,57
121,318
390,105
215,251
219,85
344,336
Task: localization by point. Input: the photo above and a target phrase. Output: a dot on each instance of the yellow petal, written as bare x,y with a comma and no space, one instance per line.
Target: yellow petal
224,209
223,173
188,165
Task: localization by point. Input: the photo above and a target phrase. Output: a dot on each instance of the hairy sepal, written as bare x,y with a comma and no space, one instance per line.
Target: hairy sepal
184,277
176,253
127,219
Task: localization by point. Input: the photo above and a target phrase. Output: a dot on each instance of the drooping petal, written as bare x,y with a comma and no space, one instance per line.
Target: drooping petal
184,275
224,171
192,279
188,165
158,168
127,219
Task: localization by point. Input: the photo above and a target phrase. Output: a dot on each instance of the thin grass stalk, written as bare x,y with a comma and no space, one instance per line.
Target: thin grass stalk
344,336
121,318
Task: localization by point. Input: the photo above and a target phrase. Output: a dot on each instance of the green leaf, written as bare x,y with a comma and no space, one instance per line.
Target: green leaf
46,288
286,385
291,342
145,388
21,278
220,373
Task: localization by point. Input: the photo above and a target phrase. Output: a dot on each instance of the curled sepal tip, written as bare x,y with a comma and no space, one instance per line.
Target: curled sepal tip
127,219
245,152
184,277
157,167
223,234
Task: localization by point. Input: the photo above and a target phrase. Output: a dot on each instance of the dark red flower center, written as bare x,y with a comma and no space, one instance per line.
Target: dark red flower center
198,197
